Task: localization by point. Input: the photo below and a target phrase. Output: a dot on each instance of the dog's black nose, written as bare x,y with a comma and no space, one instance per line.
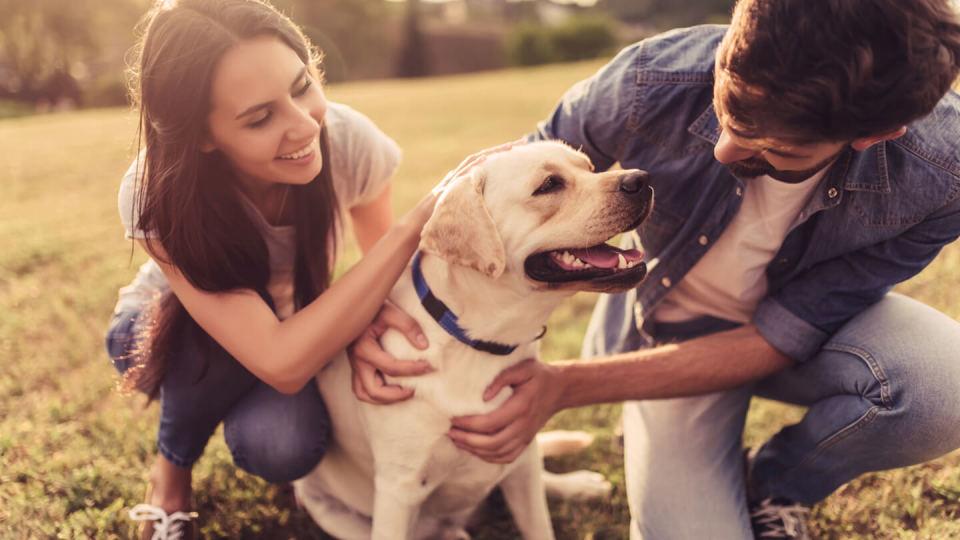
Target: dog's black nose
633,182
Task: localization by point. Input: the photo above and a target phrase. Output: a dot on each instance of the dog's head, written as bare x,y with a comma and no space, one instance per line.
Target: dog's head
539,213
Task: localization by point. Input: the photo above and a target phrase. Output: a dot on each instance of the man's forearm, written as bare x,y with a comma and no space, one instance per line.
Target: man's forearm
712,363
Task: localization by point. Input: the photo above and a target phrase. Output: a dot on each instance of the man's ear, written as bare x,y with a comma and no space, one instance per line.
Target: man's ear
863,143
461,230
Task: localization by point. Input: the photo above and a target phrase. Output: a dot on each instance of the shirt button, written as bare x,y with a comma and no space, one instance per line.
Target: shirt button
739,191
832,193
703,240
666,282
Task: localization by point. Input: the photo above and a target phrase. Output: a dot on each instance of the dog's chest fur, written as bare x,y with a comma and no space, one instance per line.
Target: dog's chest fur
463,373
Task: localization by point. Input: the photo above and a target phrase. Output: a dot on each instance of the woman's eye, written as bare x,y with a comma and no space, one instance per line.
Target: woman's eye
303,90
262,121
551,184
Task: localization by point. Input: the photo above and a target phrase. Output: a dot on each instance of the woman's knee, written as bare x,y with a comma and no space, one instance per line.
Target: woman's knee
278,437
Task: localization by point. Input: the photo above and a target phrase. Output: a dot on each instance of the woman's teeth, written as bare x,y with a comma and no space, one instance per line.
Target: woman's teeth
304,152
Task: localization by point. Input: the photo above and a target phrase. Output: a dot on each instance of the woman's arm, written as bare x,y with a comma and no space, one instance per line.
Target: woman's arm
287,354
372,220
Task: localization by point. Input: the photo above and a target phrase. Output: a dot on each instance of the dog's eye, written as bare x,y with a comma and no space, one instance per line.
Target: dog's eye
551,184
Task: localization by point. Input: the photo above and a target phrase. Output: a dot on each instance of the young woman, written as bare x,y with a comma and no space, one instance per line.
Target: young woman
239,198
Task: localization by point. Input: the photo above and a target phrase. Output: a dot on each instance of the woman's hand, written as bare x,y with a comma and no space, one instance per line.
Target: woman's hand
370,362
502,435
422,211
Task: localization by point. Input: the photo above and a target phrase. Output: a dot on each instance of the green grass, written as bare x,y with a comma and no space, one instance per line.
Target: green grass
74,452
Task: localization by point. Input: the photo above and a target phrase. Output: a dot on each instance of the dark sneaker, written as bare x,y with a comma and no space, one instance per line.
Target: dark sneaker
776,518
158,525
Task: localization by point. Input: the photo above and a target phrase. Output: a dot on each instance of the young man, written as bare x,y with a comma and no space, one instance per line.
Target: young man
804,162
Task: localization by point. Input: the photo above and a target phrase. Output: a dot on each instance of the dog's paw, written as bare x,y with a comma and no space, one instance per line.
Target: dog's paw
560,442
576,485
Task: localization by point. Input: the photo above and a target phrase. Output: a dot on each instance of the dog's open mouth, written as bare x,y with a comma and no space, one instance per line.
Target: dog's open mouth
585,264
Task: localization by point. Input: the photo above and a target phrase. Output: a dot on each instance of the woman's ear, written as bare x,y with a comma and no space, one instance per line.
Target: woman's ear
863,143
206,145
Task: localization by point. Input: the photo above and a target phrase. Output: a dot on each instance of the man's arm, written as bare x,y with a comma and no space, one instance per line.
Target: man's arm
708,364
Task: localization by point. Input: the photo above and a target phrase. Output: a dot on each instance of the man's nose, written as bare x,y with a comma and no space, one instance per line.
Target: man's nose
633,182
727,152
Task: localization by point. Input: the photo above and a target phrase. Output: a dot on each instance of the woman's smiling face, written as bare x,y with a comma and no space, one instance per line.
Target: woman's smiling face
266,114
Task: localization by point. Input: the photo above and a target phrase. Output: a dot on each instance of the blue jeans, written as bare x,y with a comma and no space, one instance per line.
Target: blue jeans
882,393
275,436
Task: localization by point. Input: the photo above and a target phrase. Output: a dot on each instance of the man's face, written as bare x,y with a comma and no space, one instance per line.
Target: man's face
748,158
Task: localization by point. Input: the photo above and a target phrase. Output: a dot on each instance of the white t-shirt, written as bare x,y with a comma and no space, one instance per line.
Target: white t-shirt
730,279
363,159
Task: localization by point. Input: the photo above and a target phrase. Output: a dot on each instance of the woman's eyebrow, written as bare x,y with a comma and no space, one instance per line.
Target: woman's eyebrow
257,107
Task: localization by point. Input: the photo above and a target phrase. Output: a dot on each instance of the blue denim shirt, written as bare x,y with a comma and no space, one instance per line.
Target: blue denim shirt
878,217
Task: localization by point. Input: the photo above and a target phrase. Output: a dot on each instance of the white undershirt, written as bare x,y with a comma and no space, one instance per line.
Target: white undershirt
730,280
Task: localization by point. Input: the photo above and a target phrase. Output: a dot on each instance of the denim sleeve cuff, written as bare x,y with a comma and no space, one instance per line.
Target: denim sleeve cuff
788,333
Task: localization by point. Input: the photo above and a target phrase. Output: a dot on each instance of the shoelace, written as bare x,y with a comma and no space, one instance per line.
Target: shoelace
771,514
167,526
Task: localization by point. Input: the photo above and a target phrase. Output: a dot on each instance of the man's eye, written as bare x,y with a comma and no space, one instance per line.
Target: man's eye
551,184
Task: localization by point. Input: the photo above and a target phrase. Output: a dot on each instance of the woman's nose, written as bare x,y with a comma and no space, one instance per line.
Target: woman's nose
305,126
726,151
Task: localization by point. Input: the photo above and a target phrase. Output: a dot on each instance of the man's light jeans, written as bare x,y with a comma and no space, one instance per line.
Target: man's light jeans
884,392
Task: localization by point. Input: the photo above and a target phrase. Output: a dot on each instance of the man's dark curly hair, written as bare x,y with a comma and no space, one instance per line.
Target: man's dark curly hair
834,70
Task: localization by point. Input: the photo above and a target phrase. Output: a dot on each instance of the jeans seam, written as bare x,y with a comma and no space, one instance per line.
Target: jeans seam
878,374
849,429
864,419
173,457
235,453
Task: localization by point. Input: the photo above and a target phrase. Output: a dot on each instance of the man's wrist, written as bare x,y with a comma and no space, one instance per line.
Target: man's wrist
561,372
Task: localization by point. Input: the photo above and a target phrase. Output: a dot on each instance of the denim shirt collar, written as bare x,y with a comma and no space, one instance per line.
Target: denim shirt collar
855,171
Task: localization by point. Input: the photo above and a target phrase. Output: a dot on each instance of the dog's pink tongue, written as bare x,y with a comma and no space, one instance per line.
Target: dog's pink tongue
604,256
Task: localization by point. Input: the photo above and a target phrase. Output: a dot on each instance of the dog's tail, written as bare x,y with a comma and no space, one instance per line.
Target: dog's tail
561,443
576,485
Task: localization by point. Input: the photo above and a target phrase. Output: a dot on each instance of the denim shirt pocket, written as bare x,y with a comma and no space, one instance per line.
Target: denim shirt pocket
659,229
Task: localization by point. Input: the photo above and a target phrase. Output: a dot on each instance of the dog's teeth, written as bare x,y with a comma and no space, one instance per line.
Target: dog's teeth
622,261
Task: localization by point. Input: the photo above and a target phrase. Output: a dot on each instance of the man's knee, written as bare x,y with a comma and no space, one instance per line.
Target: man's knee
913,355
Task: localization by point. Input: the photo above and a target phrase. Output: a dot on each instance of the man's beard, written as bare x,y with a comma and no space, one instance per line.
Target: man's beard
754,167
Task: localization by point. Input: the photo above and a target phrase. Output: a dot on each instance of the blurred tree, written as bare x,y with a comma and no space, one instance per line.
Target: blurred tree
45,45
667,13
412,61
351,33
578,38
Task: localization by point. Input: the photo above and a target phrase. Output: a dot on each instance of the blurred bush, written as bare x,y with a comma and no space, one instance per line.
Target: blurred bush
577,38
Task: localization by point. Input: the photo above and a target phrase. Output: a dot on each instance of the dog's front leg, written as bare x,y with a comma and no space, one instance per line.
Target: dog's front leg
395,509
523,490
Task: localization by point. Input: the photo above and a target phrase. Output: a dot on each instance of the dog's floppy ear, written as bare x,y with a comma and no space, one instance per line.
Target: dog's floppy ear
461,230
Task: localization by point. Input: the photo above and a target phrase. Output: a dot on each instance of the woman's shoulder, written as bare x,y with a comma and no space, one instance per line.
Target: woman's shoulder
362,155
349,128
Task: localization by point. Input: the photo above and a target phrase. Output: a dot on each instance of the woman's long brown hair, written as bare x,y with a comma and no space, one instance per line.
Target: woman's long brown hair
190,199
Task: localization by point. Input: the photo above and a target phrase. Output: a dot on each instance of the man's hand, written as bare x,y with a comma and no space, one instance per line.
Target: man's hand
370,362
473,160
502,435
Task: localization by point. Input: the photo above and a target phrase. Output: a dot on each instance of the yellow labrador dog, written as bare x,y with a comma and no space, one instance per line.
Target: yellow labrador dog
507,242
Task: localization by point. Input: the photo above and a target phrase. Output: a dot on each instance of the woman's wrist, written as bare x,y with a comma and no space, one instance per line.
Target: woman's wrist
418,215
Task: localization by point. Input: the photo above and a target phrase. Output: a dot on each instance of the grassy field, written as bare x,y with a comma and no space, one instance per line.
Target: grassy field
74,453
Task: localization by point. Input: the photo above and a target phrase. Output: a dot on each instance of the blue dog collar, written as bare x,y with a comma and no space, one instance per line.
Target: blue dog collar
448,321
